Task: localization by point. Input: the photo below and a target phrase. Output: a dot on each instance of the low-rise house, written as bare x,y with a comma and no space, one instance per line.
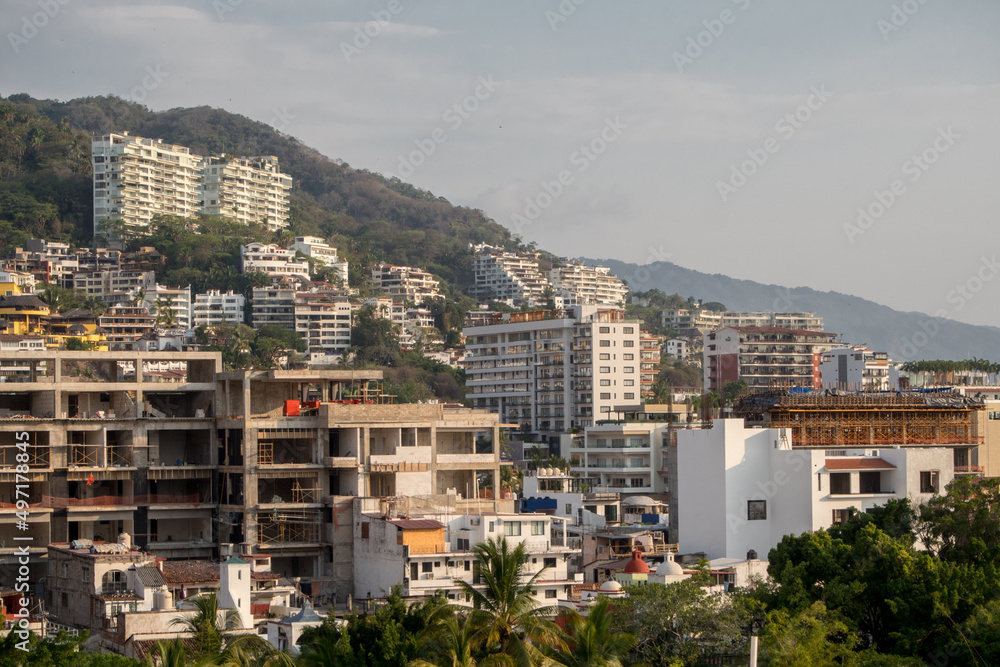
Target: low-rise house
429,553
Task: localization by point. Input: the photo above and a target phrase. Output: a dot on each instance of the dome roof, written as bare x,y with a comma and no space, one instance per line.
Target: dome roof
643,501
637,565
669,568
611,586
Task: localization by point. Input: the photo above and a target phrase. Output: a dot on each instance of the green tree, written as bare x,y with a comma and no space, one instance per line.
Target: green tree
589,641
680,623
506,618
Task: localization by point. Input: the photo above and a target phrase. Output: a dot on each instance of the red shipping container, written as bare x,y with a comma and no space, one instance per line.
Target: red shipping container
291,408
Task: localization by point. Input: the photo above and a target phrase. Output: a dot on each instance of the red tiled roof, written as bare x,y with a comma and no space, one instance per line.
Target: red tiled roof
859,463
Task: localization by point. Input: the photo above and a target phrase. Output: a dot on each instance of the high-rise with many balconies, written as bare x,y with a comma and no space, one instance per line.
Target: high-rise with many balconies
136,178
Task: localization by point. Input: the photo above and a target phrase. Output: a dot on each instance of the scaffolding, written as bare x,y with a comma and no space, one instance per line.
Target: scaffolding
295,526
862,419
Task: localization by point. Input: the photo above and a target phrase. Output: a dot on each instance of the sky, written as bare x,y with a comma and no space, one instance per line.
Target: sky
847,146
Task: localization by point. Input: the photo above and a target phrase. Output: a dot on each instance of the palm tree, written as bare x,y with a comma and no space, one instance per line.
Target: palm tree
205,627
590,641
165,314
95,305
450,640
52,295
506,617
174,654
260,654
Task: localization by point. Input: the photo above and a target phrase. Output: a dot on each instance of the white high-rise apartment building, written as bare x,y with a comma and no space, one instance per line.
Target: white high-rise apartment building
554,370
248,189
585,285
503,275
136,178
317,249
273,260
215,307
405,282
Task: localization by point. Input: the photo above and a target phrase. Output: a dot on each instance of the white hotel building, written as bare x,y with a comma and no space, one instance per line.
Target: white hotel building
581,285
554,370
247,189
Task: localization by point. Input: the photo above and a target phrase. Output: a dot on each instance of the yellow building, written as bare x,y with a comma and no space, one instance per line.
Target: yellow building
23,314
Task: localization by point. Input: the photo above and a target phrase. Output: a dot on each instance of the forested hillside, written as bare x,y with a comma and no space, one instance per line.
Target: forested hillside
45,167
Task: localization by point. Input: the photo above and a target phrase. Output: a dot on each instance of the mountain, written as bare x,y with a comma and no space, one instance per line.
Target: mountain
368,217
904,335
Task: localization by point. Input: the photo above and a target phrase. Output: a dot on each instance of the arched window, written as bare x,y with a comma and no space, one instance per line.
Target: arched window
114,582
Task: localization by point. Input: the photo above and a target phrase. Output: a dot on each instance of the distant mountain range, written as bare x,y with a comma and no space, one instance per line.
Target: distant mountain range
905,336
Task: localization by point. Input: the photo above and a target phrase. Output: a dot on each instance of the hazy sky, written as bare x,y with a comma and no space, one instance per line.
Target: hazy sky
737,137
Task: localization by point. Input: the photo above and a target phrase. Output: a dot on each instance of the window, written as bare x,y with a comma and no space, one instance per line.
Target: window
86,575
637,482
605,369
840,483
995,414
537,527
756,510
491,527
606,396
549,562
569,508
629,369
604,330
512,528
427,567
364,530
841,516
628,357
604,356
604,343
550,593
605,383
628,383
468,565
628,330
928,481
629,396
114,583
463,544
628,343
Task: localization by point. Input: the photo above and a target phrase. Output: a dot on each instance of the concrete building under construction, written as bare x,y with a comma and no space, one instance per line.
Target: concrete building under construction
194,462
835,420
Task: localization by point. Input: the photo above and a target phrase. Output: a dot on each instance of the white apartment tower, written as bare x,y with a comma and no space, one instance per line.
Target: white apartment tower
215,307
248,189
584,285
405,282
503,275
136,178
554,370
